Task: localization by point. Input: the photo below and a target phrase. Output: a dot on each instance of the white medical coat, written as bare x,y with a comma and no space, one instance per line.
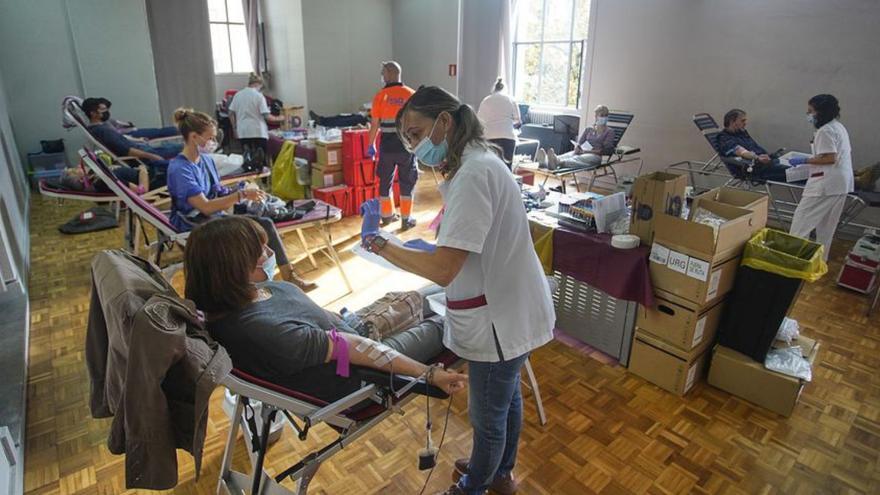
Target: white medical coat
250,110
485,216
498,112
836,179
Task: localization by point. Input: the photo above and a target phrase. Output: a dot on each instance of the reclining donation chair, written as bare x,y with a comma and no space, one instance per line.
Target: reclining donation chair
167,235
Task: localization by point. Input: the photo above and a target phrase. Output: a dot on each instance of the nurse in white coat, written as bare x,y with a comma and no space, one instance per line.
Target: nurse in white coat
499,307
831,173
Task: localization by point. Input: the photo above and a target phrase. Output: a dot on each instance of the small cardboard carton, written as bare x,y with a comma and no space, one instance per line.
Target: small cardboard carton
294,117
330,154
746,378
653,195
680,326
758,203
665,366
326,178
694,262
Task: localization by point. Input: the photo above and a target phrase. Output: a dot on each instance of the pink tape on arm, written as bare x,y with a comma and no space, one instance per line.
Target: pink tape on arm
435,223
340,353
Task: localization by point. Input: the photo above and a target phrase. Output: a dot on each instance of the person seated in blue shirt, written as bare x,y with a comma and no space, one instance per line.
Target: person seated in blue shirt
735,141
197,194
155,157
137,134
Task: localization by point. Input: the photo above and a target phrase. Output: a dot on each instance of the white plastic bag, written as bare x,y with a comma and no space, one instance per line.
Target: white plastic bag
789,361
706,217
788,330
227,164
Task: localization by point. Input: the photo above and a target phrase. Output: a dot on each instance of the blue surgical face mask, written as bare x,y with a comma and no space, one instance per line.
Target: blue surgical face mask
811,118
601,120
269,265
429,153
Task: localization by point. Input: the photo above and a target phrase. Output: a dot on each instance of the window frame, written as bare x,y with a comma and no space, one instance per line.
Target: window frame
541,41
228,23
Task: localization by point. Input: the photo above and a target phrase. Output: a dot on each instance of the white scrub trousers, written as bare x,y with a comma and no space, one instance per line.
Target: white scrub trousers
820,213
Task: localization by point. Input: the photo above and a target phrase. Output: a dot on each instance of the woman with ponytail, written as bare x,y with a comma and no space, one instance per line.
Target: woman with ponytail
197,194
499,115
499,307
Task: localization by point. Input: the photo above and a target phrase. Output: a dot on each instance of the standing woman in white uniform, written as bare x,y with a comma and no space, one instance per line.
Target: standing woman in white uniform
831,174
499,115
499,307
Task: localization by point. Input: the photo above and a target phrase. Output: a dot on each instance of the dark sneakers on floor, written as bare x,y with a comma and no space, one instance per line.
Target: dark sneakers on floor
386,221
407,223
504,485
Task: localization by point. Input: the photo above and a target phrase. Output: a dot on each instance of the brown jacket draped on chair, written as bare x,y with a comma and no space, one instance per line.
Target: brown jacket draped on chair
152,367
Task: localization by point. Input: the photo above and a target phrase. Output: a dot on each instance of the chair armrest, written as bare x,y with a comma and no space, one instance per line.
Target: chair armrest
420,387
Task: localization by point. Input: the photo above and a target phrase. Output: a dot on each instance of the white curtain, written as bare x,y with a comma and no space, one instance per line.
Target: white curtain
485,47
182,56
254,36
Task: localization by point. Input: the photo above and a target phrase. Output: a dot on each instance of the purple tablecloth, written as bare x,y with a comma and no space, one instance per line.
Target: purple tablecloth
275,144
590,258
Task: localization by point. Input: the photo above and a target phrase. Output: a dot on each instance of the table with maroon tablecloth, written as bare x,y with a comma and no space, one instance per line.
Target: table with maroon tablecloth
309,154
590,258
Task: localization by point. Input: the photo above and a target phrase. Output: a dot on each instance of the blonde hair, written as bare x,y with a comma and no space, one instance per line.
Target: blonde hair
254,78
431,101
602,110
188,121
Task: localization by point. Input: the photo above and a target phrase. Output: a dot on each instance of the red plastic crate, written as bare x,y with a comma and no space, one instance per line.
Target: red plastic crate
338,196
360,173
354,145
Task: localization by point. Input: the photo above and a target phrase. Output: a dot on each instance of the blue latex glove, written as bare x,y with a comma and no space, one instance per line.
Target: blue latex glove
798,160
371,151
371,213
421,245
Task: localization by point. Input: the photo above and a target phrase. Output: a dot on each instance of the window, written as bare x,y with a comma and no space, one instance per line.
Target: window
548,51
229,37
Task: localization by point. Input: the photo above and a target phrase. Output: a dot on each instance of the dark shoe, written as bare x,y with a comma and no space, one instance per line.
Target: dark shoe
386,221
504,485
407,223
452,490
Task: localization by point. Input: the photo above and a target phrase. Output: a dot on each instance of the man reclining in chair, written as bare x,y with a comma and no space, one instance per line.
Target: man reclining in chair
273,331
156,157
735,141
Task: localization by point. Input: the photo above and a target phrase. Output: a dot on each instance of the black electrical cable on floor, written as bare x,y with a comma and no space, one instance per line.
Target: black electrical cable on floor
439,447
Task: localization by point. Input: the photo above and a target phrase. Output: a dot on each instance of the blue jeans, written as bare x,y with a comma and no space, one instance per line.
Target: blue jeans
155,133
495,411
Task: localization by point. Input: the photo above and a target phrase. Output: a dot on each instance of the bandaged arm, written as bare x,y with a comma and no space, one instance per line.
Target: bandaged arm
369,353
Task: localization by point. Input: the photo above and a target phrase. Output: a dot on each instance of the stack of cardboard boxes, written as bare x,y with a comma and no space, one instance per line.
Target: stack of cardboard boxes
327,171
692,267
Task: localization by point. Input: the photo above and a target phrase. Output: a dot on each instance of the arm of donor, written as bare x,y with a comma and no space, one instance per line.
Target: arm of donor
347,348
439,266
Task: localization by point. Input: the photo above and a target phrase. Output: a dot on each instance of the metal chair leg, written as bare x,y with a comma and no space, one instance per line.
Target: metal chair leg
305,246
331,251
533,384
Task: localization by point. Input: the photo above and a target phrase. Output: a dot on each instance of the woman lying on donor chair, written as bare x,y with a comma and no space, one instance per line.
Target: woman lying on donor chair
273,331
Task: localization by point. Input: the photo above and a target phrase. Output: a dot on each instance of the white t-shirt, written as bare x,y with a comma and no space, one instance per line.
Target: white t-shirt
250,110
498,112
485,216
838,178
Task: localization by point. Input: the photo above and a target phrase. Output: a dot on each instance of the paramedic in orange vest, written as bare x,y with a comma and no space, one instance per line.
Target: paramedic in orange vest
388,101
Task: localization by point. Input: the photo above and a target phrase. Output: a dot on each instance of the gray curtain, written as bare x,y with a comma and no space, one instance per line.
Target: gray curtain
181,40
255,40
485,27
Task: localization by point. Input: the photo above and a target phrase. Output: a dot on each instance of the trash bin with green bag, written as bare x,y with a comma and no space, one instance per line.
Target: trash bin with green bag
774,267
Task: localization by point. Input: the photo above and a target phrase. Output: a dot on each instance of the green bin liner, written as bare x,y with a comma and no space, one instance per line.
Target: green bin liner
786,255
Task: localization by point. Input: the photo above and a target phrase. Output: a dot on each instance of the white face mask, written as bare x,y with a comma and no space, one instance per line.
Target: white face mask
209,147
601,120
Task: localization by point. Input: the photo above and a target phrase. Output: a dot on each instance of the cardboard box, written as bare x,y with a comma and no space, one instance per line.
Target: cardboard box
665,366
688,260
756,202
685,328
653,195
330,154
294,117
748,379
324,178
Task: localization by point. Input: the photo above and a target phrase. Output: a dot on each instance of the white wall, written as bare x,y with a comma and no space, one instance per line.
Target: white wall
284,43
668,60
344,41
53,48
222,82
425,41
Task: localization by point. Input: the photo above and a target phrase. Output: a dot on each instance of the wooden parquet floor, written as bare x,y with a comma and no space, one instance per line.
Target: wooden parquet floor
610,432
